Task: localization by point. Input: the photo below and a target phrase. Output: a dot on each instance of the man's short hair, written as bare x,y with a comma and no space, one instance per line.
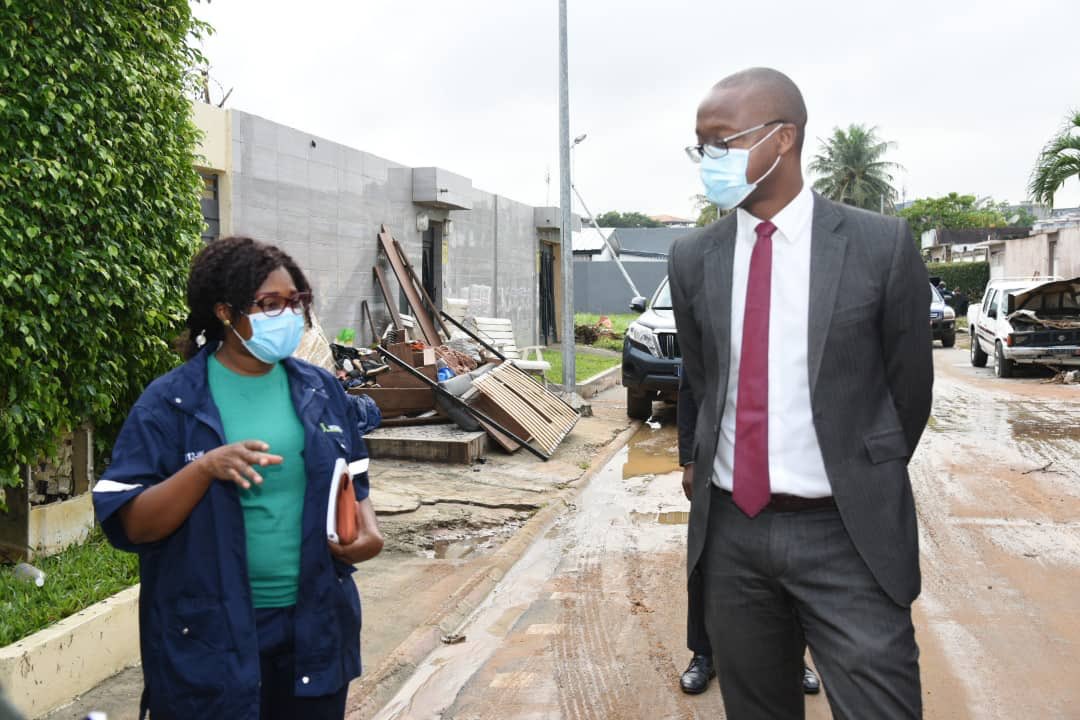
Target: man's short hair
777,93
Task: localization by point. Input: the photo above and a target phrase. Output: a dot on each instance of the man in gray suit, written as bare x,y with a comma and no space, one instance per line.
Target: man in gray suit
803,329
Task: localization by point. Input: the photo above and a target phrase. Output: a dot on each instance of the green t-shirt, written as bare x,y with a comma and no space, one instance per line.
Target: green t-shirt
260,408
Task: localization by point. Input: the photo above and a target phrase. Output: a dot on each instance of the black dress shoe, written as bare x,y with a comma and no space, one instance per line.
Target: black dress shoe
810,683
697,676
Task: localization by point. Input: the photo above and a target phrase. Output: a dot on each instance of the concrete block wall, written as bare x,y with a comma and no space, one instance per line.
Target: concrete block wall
323,203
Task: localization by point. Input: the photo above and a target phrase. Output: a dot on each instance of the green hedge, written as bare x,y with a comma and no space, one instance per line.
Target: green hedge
971,277
100,212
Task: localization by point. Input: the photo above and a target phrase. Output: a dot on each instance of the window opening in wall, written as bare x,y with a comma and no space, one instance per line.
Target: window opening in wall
210,205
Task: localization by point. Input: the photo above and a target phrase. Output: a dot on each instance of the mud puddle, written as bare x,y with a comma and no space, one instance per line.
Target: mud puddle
451,544
451,531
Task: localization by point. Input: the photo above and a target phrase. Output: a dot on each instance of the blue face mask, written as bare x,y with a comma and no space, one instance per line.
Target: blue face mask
274,338
726,184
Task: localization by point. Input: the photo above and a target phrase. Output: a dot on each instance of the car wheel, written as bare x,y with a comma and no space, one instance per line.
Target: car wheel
1003,367
638,404
978,355
948,340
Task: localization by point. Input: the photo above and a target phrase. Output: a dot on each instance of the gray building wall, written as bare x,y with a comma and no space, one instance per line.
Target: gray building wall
323,203
599,287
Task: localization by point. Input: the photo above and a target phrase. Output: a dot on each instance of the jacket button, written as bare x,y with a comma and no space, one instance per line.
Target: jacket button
305,679
178,401
185,631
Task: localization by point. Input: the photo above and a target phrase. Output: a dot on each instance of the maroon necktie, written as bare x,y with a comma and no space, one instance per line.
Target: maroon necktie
750,484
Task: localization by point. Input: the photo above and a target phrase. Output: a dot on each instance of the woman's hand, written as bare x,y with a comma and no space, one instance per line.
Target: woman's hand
368,543
233,462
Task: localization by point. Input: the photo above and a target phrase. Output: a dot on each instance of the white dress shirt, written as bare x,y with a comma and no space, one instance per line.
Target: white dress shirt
795,463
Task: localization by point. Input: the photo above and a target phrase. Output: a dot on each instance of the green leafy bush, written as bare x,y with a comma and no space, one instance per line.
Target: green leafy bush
972,277
99,216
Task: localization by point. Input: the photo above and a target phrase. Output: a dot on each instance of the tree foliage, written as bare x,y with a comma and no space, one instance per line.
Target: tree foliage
616,219
851,168
708,213
100,212
952,212
1058,162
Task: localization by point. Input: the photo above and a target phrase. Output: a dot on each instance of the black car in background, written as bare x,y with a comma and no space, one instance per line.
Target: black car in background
651,363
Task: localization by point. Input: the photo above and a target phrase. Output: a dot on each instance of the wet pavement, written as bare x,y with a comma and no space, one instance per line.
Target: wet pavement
590,623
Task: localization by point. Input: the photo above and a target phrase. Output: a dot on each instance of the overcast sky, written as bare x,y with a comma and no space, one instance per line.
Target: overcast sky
968,95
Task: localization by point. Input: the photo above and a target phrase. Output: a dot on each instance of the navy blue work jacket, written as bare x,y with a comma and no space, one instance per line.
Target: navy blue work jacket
196,621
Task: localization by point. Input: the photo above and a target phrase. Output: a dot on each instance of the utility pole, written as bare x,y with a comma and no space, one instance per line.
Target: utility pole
566,226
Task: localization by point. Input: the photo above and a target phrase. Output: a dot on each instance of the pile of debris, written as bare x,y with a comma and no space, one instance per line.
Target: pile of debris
429,368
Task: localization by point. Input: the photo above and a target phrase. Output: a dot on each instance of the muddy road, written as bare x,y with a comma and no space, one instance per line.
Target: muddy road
590,623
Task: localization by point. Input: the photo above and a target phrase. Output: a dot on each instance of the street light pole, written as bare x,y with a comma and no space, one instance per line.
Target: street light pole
566,225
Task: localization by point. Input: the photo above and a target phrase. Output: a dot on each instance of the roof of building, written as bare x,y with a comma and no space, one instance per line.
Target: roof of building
970,236
589,241
671,220
647,241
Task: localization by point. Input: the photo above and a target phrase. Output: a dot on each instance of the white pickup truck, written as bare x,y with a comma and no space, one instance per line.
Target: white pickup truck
1034,321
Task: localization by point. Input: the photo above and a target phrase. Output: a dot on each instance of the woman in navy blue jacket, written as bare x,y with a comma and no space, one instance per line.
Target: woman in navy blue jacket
219,480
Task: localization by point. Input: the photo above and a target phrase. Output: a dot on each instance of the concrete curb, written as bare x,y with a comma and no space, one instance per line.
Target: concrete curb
375,688
45,670
600,382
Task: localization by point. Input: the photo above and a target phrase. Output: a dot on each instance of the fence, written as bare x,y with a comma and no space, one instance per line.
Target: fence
599,287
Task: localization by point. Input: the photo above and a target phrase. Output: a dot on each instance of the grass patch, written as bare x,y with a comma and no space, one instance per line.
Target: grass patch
75,579
585,366
619,321
609,343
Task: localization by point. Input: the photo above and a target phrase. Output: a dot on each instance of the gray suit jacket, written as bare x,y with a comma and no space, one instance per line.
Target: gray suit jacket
870,367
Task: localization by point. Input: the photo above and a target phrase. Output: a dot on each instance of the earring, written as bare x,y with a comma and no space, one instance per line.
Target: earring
200,339
226,323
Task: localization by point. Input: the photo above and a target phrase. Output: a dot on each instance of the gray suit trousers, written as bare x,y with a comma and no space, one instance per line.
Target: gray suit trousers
778,582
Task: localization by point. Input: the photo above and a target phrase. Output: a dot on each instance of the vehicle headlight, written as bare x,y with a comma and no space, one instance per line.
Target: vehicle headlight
950,314
645,337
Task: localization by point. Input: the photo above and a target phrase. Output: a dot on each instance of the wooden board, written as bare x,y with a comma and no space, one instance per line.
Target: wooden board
380,281
397,378
427,328
394,402
545,419
484,404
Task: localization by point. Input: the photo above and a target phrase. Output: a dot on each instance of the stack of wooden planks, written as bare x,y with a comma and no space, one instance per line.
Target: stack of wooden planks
517,400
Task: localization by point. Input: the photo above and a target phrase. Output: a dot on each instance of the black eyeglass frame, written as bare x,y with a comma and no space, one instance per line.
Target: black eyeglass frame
720,148
299,302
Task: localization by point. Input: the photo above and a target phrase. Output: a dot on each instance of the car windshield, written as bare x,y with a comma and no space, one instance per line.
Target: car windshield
662,299
935,296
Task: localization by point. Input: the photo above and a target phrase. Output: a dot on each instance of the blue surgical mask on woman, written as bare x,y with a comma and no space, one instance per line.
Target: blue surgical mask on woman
274,338
726,184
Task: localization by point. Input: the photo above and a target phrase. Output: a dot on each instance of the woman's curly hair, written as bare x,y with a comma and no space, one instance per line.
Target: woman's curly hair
229,271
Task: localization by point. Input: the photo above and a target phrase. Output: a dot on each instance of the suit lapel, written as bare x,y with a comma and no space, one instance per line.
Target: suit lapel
719,260
827,249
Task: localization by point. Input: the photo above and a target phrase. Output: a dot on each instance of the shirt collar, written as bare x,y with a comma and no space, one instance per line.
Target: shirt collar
792,221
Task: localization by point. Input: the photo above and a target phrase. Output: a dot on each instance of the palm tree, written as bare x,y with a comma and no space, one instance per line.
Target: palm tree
1059,161
851,170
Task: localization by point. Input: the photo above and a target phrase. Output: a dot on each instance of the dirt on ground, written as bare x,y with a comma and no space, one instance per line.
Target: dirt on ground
442,522
591,622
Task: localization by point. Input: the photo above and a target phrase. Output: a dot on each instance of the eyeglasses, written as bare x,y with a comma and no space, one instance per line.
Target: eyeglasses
273,304
720,148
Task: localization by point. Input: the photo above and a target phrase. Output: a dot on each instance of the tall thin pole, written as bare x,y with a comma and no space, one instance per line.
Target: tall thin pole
566,226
